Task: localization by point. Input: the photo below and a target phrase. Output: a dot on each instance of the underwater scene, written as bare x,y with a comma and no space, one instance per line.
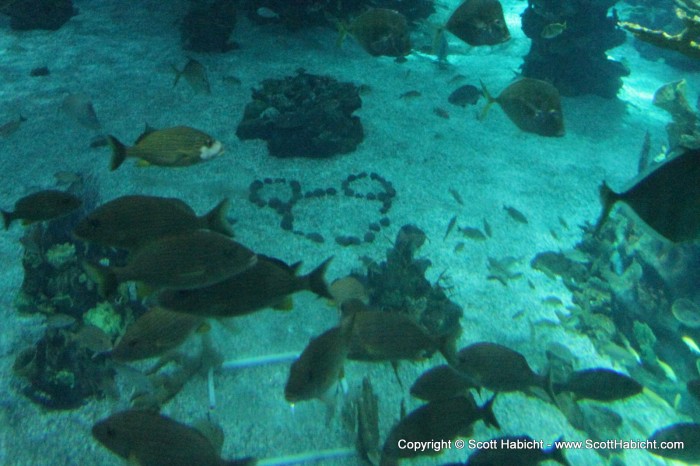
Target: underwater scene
350,232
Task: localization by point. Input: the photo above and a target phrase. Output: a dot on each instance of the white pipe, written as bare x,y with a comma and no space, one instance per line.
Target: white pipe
305,457
258,361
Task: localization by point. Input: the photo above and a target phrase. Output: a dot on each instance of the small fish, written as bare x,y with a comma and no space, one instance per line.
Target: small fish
59,321
599,384
195,74
441,112
667,198
644,158
380,31
459,246
686,312
515,214
11,127
266,13
465,95
440,48
479,22
94,339
487,229
439,419
439,383
147,438
472,233
522,450
456,196
497,368
189,260
552,30
346,288
552,301
41,206
533,105
690,343
154,333
129,222
450,226
563,223
553,233
501,269
410,95
80,108
320,365
268,283
231,80
688,433
171,147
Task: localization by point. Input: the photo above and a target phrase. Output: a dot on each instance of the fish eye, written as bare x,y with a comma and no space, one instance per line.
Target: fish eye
209,142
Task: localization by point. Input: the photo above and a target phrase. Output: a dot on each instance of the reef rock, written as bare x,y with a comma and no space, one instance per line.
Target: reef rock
304,116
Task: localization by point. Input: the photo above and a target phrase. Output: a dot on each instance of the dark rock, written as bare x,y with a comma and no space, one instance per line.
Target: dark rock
348,240
40,71
39,14
581,46
208,26
315,237
304,116
369,237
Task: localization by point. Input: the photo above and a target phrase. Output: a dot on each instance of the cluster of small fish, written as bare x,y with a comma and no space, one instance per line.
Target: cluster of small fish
284,207
452,410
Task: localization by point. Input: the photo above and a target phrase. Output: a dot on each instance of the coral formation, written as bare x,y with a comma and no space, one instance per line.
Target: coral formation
104,317
685,42
304,116
38,14
399,285
683,131
584,35
208,26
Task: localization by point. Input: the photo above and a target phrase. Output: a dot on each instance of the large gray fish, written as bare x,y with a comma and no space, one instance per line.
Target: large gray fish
320,365
381,31
189,260
479,22
146,438
129,222
599,384
667,198
40,206
437,420
533,105
268,283
686,432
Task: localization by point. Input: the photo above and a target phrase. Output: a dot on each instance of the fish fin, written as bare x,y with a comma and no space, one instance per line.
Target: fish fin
216,220
608,198
296,266
178,74
316,281
342,33
287,304
487,414
204,327
439,36
395,366
7,218
489,101
141,163
118,152
103,277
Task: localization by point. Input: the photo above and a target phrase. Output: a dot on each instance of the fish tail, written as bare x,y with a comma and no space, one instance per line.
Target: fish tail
316,280
342,33
118,152
557,454
487,414
447,346
608,198
216,218
103,277
7,218
489,100
178,74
